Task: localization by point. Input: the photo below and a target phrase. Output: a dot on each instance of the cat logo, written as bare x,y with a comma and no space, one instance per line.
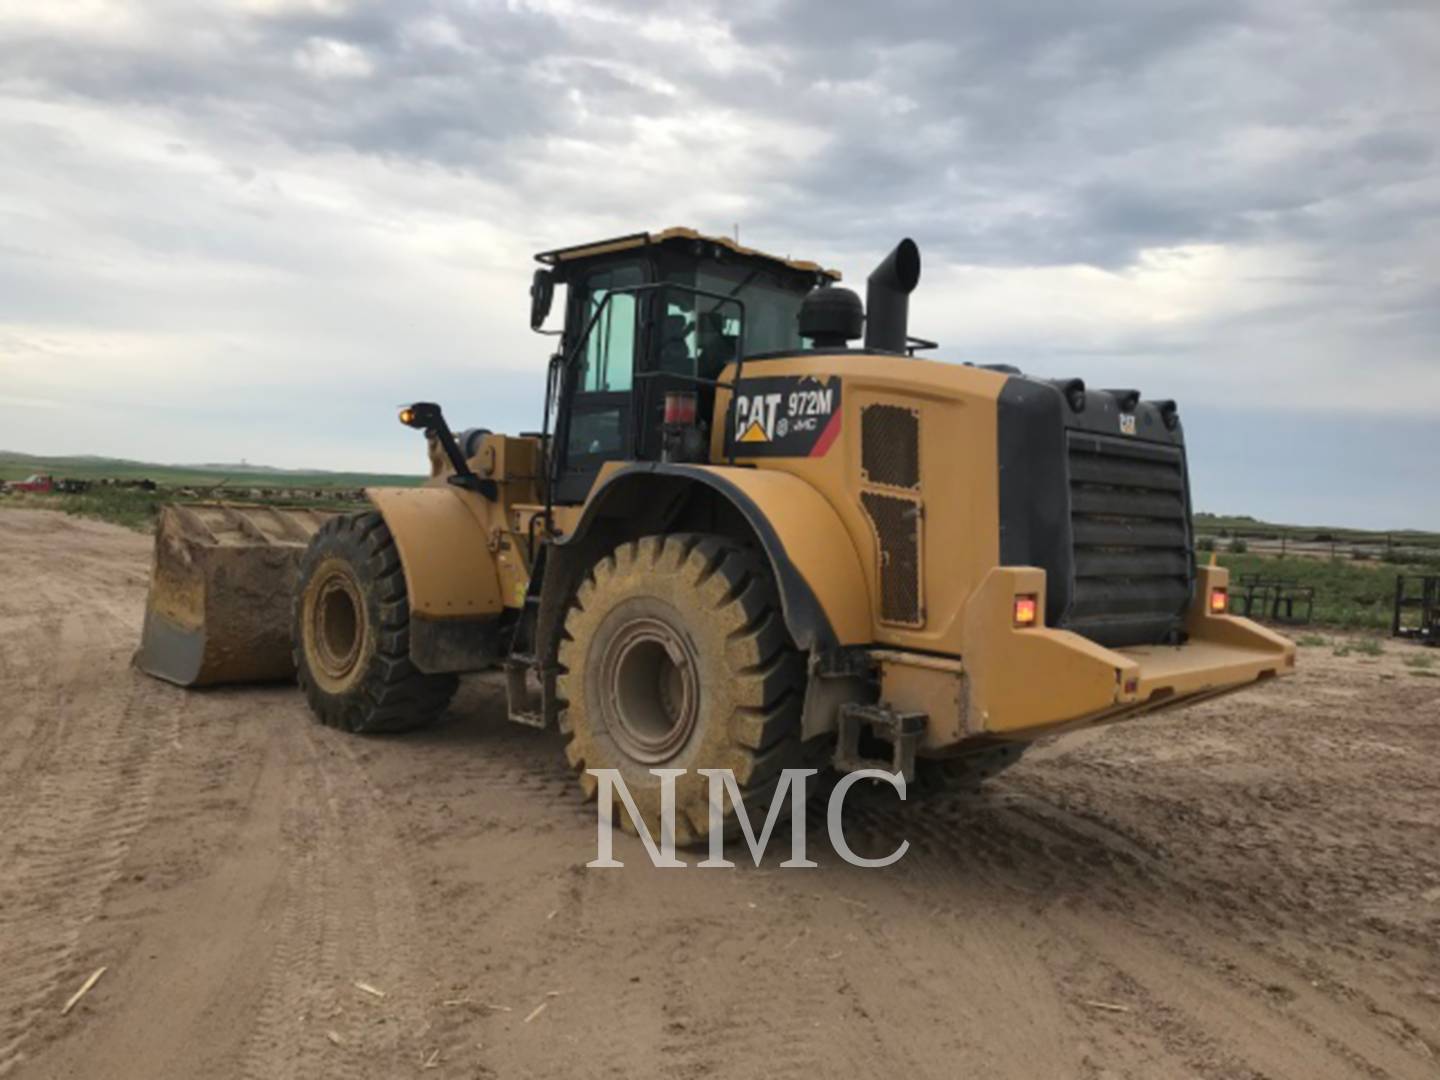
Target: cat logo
1127,423
785,416
755,417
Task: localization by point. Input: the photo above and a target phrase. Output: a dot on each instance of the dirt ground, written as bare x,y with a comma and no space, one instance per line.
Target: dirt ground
1250,888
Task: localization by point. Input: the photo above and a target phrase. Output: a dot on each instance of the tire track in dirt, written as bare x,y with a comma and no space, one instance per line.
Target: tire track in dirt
1151,929
36,718
68,838
348,917
1232,915
1227,1013
791,1009
28,739
64,629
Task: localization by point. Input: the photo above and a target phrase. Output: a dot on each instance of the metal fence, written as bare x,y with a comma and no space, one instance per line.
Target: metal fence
1391,547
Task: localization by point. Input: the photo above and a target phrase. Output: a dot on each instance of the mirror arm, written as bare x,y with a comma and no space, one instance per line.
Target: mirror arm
427,416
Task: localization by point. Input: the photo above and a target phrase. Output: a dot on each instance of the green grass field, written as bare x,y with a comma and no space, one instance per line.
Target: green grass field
19,466
137,509
122,506
1355,595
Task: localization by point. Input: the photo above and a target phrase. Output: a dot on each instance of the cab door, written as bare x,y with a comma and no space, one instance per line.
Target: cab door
596,427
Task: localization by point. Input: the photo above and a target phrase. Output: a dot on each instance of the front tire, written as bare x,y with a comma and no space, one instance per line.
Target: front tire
352,633
676,655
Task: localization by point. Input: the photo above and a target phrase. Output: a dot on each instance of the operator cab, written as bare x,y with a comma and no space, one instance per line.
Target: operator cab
648,315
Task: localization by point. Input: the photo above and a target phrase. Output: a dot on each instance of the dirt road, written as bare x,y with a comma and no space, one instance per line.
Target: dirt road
1251,888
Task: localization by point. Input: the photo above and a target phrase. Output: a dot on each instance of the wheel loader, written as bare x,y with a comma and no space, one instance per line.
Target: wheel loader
757,530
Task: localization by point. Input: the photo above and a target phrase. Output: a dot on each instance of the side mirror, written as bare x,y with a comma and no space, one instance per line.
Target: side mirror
542,294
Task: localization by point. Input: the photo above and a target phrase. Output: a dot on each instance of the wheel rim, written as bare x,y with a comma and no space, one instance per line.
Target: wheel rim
651,689
337,624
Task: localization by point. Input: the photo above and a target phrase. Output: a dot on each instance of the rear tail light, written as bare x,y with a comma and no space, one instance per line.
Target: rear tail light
1219,601
1027,610
680,407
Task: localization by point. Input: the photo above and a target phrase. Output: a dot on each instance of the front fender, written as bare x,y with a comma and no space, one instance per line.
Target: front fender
818,571
450,574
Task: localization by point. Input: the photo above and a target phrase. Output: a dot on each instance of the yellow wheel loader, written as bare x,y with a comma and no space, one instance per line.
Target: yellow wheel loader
757,531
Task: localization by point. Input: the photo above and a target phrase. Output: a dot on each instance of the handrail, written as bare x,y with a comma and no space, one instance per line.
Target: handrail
567,363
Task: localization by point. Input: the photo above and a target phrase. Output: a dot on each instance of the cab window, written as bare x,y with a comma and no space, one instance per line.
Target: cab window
698,335
771,320
610,349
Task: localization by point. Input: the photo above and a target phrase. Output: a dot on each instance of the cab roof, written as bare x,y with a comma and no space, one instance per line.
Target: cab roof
677,234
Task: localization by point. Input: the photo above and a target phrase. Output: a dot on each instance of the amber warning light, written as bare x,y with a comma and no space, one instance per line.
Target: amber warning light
1219,601
1026,610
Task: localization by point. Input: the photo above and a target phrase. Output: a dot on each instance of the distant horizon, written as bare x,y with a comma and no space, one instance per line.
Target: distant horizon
99,460
239,466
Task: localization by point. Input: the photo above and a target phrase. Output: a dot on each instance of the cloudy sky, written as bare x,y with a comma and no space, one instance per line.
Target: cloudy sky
248,229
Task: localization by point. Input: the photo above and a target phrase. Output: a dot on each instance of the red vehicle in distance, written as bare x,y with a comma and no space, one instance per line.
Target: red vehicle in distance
39,484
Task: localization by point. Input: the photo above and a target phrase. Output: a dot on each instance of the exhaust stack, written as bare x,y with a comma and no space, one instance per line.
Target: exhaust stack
887,298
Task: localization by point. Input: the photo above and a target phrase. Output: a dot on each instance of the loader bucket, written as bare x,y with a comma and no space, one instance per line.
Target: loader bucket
221,587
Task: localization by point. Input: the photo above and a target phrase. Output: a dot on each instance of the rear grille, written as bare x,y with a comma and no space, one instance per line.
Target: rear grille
897,528
1130,528
890,446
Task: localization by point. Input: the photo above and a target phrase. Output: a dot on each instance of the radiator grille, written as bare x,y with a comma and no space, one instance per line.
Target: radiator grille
890,446
897,528
1131,534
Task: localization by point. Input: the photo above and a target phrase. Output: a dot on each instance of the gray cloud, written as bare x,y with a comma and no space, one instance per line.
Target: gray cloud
359,172
1125,125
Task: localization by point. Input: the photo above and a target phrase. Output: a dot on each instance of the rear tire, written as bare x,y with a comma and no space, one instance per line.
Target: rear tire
352,633
676,655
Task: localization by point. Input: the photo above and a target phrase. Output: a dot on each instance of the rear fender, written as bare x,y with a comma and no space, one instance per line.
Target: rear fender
453,583
818,572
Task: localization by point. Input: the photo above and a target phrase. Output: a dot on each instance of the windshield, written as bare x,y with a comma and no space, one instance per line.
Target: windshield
771,319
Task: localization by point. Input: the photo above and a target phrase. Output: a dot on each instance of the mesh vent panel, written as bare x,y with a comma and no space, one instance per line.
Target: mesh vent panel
890,445
897,524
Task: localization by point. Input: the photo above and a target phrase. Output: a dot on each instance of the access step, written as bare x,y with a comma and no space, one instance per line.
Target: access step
524,706
902,730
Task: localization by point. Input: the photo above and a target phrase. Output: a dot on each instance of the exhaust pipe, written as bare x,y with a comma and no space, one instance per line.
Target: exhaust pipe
887,298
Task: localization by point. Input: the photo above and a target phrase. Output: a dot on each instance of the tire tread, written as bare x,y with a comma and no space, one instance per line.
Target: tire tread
393,695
